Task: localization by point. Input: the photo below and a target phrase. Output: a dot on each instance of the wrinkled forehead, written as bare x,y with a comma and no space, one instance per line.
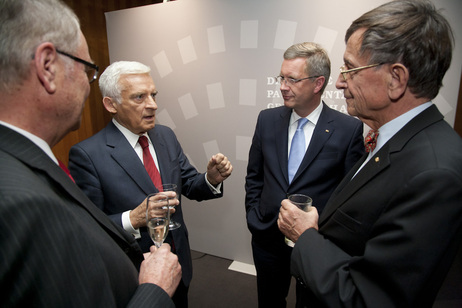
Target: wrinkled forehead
133,82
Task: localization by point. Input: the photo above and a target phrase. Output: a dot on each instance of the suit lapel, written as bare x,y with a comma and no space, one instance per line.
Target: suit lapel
322,132
123,153
31,155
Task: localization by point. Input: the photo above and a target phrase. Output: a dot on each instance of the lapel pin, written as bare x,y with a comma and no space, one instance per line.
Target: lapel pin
377,159
327,130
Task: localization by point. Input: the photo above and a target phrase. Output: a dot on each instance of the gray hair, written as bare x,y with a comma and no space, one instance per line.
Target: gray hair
317,60
412,33
109,79
24,25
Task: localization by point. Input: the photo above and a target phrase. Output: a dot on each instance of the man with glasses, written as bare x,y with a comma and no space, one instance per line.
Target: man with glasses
331,143
57,248
391,230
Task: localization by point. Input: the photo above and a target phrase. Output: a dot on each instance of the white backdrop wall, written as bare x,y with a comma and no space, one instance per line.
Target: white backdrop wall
213,63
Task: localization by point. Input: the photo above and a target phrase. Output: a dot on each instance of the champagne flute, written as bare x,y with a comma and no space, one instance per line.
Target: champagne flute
158,217
166,188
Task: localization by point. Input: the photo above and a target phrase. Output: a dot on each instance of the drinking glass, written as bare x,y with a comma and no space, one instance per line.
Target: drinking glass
158,217
171,187
304,203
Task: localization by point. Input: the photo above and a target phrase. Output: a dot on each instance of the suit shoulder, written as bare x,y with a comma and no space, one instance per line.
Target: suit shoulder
340,116
162,129
90,141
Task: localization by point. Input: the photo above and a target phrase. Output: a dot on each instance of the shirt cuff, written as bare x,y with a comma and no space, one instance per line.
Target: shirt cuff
215,190
127,225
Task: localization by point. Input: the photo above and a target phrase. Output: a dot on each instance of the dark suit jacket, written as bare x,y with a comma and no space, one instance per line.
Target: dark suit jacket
110,173
57,249
388,236
336,145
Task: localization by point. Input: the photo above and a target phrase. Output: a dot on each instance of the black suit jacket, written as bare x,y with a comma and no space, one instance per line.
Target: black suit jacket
57,248
336,145
110,173
388,236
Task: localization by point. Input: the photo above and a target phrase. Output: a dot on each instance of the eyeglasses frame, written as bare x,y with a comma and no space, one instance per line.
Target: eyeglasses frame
292,80
89,64
344,72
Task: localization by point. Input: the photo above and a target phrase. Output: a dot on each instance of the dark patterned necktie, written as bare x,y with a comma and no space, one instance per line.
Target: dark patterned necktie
371,140
149,162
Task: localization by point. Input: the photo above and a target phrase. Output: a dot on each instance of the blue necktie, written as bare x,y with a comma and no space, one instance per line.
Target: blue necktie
297,149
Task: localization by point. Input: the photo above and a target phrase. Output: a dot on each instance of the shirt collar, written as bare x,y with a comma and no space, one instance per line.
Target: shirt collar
42,144
388,130
131,137
313,117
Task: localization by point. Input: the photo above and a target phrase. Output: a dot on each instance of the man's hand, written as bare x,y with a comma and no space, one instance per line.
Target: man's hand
138,214
219,169
161,267
292,221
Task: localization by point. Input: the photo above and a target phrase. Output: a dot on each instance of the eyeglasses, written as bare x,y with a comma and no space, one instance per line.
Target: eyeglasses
344,71
91,69
292,81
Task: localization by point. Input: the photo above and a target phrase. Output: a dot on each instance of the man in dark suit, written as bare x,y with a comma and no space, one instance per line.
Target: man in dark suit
333,144
390,231
109,168
57,248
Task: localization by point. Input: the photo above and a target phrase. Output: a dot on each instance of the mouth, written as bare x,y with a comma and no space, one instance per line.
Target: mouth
286,97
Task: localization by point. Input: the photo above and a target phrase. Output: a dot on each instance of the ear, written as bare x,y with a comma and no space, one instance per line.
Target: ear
110,105
46,66
399,77
319,84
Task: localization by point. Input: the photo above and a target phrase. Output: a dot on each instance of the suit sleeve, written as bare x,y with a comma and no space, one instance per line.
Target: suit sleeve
193,183
254,178
399,267
150,295
49,260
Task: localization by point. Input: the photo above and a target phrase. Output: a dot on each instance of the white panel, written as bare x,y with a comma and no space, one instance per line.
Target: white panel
215,95
248,92
187,106
216,39
162,64
187,50
285,34
249,34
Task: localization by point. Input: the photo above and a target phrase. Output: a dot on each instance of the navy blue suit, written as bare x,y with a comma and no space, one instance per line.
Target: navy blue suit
111,174
336,145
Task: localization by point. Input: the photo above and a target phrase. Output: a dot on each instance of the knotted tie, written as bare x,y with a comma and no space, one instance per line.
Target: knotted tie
297,149
371,140
149,162
63,166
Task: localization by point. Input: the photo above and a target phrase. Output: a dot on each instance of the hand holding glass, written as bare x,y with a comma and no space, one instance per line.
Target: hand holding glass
173,201
304,203
158,217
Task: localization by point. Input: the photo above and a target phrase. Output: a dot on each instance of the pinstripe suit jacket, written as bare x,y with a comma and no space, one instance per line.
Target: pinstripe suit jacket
57,248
